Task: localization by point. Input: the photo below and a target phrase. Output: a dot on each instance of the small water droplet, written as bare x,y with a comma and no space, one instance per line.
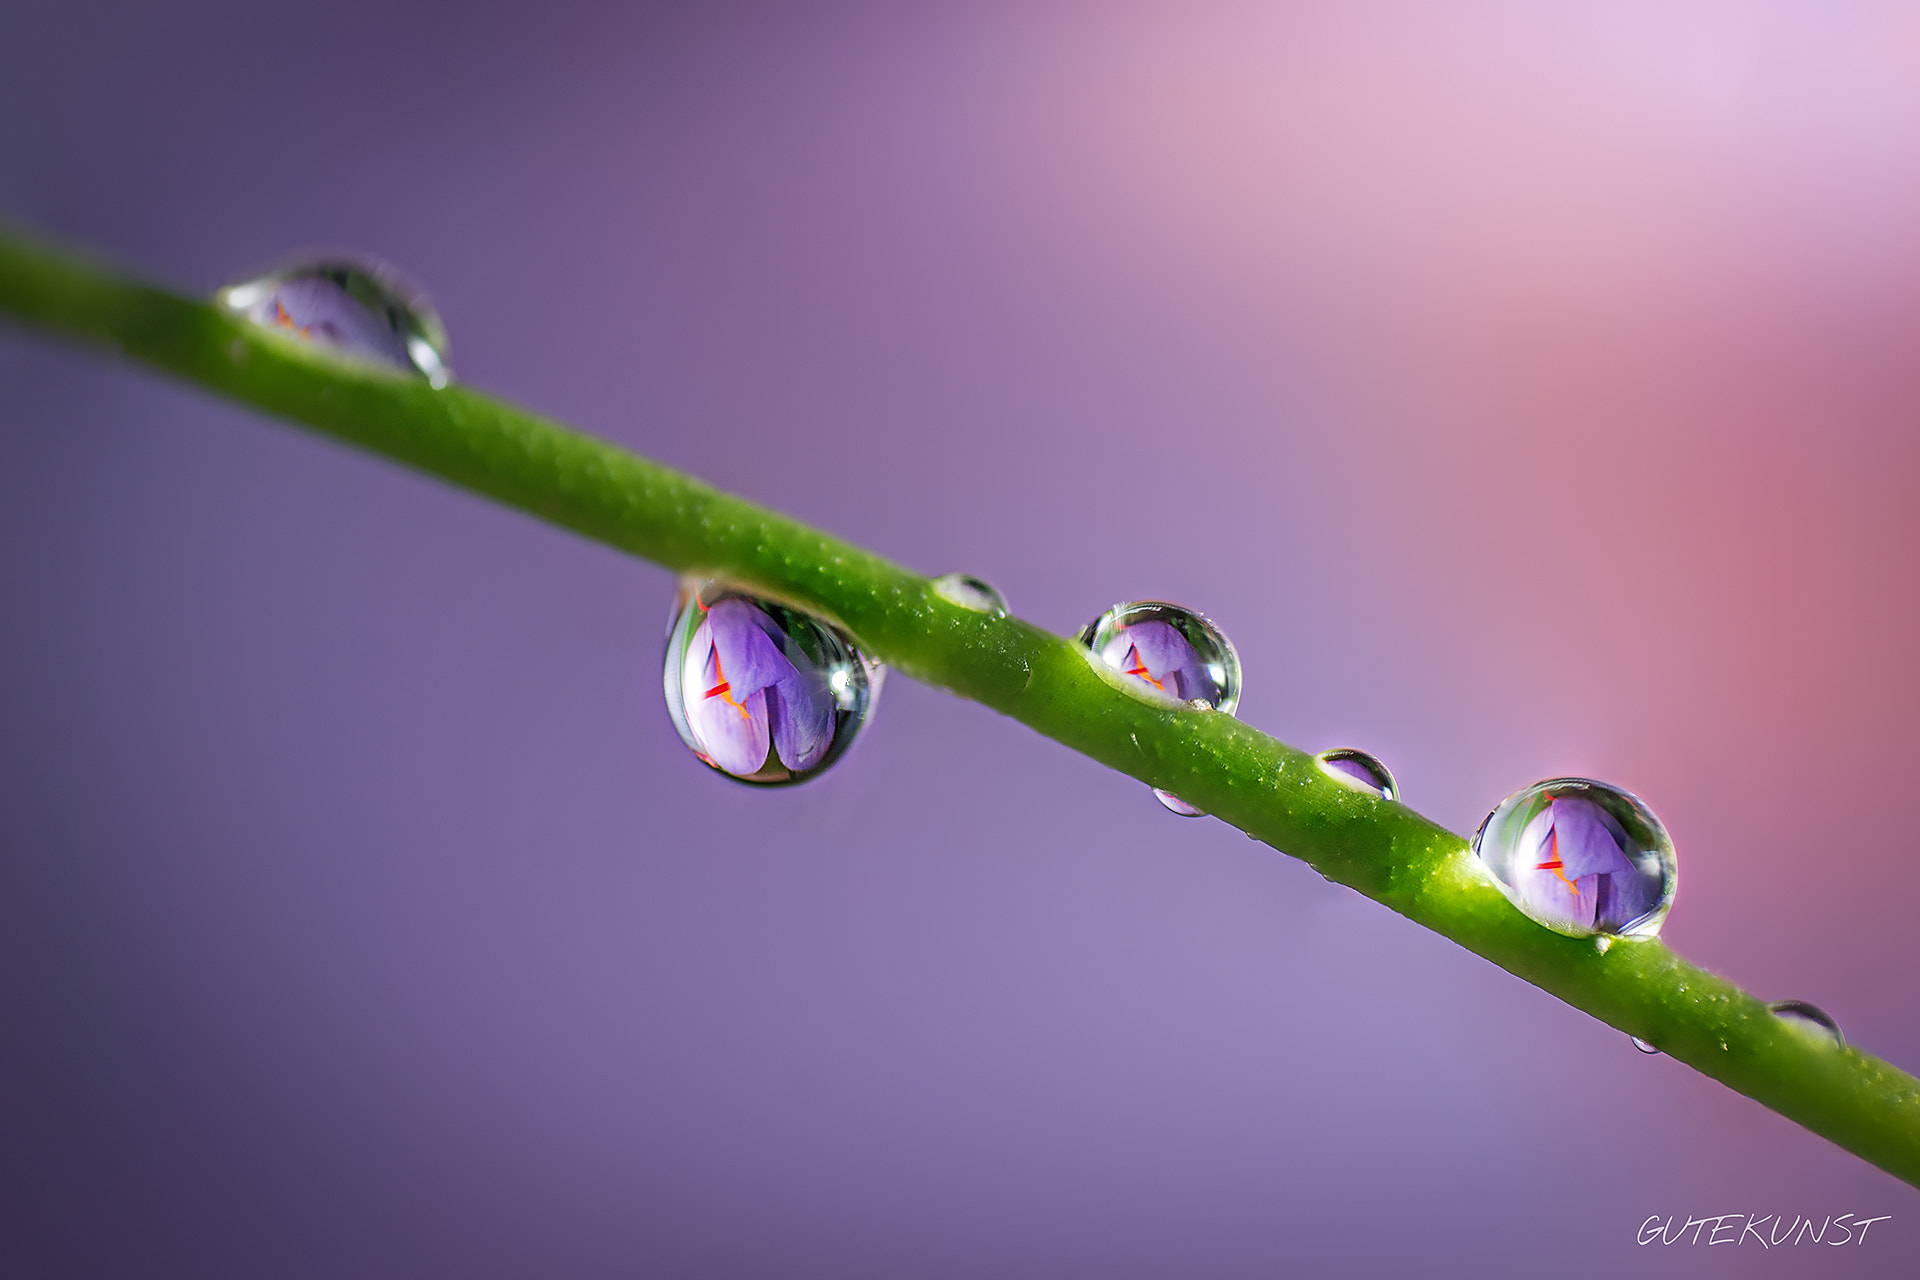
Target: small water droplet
1602,942
360,308
1359,770
970,592
762,691
1810,1018
1581,857
1174,804
1173,655
1642,1045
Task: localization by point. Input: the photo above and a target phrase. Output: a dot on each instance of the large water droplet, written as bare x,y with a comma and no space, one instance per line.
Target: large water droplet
762,691
1359,770
1173,655
359,308
1581,857
1810,1018
970,592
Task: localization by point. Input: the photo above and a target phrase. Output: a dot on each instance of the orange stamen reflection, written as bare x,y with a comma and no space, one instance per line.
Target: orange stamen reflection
723,689
1139,668
285,321
1554,864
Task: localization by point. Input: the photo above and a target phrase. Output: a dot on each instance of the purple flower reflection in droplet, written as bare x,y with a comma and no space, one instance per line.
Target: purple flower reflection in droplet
360,309
1353,769
319,309
742,694
762,691
1361,770
1571,866
1156,654
1581,857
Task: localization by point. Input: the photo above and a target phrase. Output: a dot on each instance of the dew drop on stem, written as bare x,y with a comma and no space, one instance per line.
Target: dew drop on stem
970,592
1173,655
1809,1018
1359,770
356,308
1581,857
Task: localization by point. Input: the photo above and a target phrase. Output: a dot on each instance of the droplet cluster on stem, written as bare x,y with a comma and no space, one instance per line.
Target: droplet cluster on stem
770,693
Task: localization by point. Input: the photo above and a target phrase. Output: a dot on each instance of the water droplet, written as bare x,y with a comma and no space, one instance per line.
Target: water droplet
970,592
762,691
1174,804
1581,857
1360,771
1810,1018
1642,1045
1173,655
360,308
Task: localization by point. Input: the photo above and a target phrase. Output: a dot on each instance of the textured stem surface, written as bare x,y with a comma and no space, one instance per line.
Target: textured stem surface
1236,773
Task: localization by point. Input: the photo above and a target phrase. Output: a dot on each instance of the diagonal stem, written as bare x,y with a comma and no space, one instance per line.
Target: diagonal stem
1240,775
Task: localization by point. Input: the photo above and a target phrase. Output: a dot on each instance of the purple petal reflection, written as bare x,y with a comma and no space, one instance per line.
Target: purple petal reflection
801,713
1353,769
1571,866
743,693
730,663
1156,654
318,309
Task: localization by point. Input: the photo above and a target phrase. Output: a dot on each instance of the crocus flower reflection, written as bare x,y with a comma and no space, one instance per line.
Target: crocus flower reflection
761,691
1576,870
319,309
1172,651
1581,857
743,693
349,309
1155,654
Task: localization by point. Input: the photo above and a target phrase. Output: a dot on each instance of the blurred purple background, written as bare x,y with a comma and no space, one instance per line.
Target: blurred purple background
1526,390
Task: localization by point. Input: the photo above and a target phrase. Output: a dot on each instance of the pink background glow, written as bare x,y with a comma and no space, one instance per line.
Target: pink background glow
1527,389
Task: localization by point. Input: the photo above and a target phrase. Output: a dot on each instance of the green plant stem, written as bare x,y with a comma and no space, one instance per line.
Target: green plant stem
1233,771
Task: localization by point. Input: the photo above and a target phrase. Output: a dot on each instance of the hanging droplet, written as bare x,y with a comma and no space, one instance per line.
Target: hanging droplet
1642,1045
1174,804
762,691
1810,1018
1173,655
359,308
1359,770
970,592
1581,857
